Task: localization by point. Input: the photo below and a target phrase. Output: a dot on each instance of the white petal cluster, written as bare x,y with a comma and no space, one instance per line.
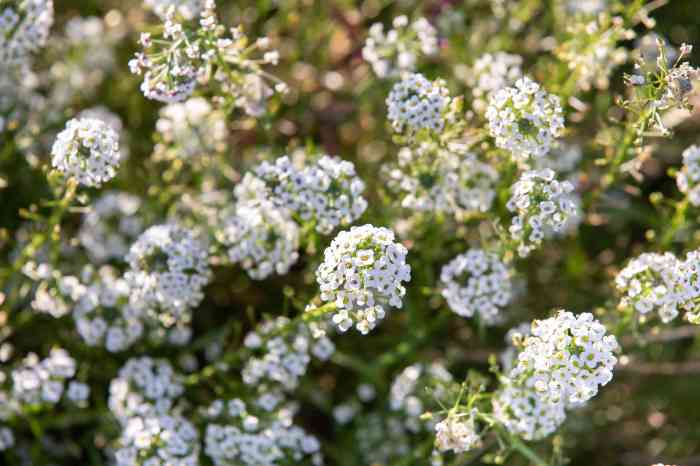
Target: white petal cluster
145,387
457,433
492,72
186,9
540,203
477,282
688,286
362,273
327,191
648,284
235,436
514,340
24,29
102,313
189,129
449,180
566,358
524,119
282,352
525,413
87,149
688,178
415,104
110,226
396,51
37,382
168,269
261,237
165,440
408,396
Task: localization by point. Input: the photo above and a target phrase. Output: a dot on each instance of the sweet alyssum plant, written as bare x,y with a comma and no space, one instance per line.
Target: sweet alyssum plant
228,250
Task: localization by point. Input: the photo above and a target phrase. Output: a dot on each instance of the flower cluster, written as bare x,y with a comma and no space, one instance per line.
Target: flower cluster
688,286
186,9
326,191
492,72
524,119
235,435
282,352
24,29
539,202
648,284
145,387
457,433
168,267
525,413
110,226
477,282
190,129
592,52
566,358
688,178
450,179
102,313
88,150
260,237
415,104
362,272
158,441
395,52
407,395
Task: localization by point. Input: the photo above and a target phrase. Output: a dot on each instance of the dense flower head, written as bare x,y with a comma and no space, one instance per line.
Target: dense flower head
158,440
186,9
362,273
448,179
168,268
688,178
687,292
36,382
566,358
102,313
415,104
325,191
282,351
237,435
457,433
261,237
24,29
524,119
189,129
540,203
525,413
492,72
110,226
145,387
648,284
396,51
477,282
87,149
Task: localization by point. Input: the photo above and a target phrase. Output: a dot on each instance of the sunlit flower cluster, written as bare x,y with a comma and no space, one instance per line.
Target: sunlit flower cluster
540,203
452,180
395,52
161,440
415,104
237,435
362,273
688,178
492,72
24,29
477,283
525,120
457,432
566,358
88,150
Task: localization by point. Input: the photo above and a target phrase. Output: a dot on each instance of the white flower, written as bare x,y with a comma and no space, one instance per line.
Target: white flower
7,438
396,52
168,268
78,392
88,150
24,29
415,103
566,358
39,381
688,178
144,387
457,433
261,237
477,282
526,414
492,72
540,204
524,119
362,292
187,9
158,440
